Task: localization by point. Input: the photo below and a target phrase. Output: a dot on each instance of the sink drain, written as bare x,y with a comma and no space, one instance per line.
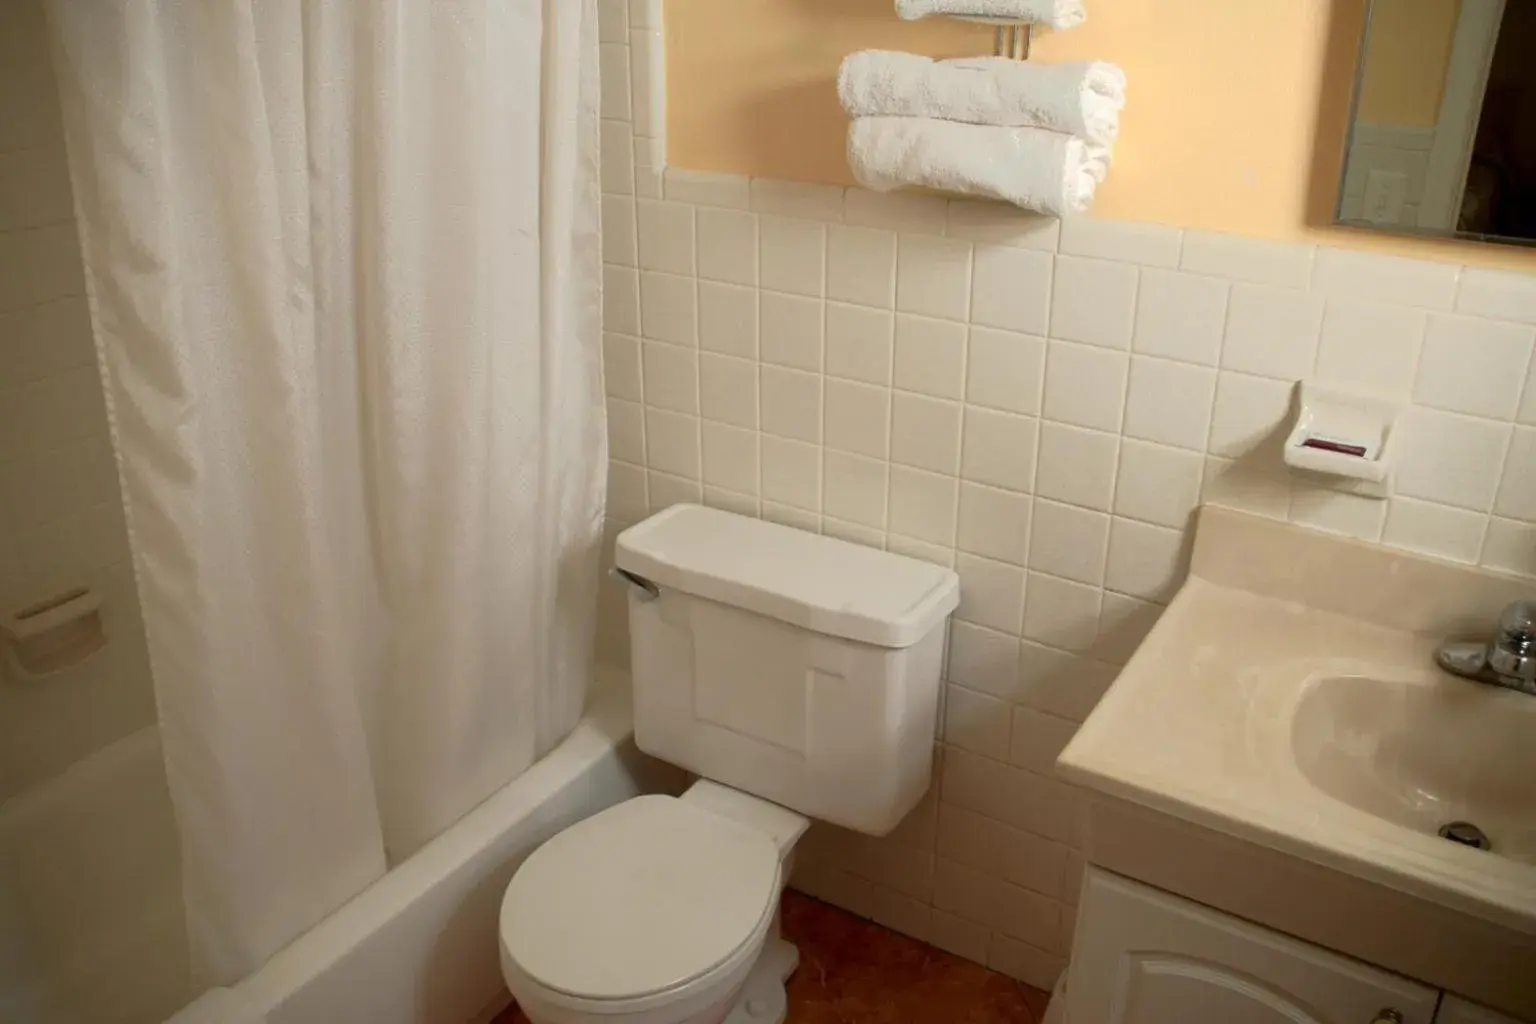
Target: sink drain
1467,834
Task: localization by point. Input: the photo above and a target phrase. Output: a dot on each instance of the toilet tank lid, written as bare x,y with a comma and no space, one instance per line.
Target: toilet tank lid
818,583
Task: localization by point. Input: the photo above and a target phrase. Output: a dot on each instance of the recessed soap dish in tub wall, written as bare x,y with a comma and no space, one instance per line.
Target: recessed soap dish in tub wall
53,635
1350,438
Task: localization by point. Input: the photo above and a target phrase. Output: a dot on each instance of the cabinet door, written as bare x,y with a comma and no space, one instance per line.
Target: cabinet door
1145,957
1454,1010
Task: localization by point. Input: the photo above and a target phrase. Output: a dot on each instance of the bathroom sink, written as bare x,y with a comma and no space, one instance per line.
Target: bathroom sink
1425,753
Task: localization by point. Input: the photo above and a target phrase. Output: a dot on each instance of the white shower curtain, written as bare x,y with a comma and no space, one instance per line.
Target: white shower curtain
343,261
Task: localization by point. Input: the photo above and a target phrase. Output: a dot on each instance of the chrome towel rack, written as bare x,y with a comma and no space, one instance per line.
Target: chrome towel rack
1011,39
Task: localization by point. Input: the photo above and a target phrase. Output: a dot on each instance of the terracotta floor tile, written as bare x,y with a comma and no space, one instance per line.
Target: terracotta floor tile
855,972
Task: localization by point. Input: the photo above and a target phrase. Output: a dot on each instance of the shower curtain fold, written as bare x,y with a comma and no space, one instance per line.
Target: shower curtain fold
342,261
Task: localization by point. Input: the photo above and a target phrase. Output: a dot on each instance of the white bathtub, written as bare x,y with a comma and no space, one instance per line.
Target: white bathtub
419,946
91,923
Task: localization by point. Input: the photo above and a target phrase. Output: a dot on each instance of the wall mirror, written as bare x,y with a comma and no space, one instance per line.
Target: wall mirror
1443,122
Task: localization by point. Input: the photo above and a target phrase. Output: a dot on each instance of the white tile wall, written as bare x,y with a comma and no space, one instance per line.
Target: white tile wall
1042,407
61,521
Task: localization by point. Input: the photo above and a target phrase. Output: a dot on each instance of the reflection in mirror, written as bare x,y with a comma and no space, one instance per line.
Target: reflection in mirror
1443,139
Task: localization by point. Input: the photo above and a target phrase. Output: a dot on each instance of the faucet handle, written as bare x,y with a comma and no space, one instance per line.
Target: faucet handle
1513,651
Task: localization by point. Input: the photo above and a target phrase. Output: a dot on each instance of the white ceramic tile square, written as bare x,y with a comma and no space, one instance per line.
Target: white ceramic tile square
1259,484
1510,546
1273,332
620,241
728,246
1348,514
797,199
1170,402
1005,371
728,319
1038,740
1181,316
789,515
1085,386
728,389
991,593
1068,541
1527,413
1061,613
621,300
1250,411
1152,245
933,276
1145,561
984,659
1473,365
1002,224
1059,683
627,500
613,21
666,236
1516,498
1076,465
860,342
613,64
793,254
1157,484
672,443
925,433
791,404
671,377
730,457
930,356
668,308
1254,260
994,523
791,473
1375,278
861,266
645,67
708,188
1501,294
626,431
791,330
616,165
1012,289
730,501
999,449
1437,530
922,506
855,488
974,839
922,550
1451,459
621,366
858,418
1124,623
976,722
853,533
1093,301
895,210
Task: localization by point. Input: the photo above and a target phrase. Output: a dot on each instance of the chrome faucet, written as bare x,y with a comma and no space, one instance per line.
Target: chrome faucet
1508,660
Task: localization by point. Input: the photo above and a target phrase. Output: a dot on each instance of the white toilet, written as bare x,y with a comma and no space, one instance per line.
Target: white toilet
796,675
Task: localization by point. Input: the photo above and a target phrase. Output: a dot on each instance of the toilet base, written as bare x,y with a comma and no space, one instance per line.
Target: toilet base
763,1000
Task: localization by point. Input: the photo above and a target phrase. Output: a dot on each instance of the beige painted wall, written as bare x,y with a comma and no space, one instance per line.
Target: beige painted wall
1406,61
1236,122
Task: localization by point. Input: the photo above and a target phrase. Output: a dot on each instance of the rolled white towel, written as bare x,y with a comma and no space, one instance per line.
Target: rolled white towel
1029,167
1058,14
1080,98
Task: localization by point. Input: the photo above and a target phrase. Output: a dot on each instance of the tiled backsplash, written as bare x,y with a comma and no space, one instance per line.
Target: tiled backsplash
61,521
1041,407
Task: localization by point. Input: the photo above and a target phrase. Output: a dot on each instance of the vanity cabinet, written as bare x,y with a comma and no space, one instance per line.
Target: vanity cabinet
1459,1011
1142,956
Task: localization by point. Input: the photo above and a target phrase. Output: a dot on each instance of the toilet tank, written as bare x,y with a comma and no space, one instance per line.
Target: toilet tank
799,668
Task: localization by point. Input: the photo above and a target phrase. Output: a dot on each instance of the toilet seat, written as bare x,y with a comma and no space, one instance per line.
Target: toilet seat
652,902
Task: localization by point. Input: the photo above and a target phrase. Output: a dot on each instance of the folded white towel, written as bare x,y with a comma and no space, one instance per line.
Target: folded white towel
1029,167
1083,98
1058,14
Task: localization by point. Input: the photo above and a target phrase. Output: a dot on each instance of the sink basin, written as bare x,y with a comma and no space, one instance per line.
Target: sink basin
1424,753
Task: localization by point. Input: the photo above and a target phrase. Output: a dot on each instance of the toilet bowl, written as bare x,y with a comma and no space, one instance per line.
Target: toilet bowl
657,911
796,675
